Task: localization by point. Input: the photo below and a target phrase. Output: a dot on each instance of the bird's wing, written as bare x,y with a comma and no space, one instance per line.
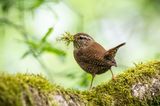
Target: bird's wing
93,54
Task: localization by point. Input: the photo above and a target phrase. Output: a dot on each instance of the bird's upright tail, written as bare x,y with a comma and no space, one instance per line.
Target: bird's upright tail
119,45
111,52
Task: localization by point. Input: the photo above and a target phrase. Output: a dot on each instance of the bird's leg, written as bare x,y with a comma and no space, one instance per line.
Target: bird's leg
93,75
112,75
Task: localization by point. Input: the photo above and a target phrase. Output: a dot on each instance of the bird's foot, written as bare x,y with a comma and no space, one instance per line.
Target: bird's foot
113,78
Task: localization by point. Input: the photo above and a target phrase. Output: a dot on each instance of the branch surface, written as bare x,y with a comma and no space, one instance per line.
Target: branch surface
138,86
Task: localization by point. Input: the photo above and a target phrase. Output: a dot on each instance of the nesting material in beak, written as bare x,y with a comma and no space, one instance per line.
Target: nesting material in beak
67,38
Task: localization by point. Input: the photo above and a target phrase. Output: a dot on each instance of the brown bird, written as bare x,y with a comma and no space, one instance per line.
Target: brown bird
92,57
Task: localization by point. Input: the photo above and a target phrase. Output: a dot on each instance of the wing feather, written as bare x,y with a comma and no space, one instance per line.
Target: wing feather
93,54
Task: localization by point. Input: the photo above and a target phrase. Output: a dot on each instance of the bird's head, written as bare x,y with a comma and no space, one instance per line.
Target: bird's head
82,40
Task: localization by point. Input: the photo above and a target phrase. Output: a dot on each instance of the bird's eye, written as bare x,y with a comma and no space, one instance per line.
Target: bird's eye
80,37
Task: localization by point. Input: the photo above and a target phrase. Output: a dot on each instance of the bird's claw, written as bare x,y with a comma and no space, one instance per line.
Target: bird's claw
113,78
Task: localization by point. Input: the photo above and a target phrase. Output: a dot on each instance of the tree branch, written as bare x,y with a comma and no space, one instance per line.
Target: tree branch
139,86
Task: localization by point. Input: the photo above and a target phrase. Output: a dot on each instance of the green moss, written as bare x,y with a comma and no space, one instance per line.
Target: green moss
31,89
22,88
10,91
120,89
35,90
67,38
37,81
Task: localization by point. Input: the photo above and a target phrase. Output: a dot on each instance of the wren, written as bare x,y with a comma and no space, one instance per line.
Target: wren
92,57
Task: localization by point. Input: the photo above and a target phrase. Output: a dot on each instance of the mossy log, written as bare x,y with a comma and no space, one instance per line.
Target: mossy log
139,86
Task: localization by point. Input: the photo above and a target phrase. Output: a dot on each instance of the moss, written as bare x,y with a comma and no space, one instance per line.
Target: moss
10,91
23,89
37,81
67,38
32,90
120,89
35,90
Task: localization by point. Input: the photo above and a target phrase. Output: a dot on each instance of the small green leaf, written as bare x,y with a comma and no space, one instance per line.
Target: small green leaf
47,34
71,75
25,54
37,3
54,50
32,44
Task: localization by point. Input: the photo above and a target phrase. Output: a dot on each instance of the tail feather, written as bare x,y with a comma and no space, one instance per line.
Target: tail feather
111,52
119,45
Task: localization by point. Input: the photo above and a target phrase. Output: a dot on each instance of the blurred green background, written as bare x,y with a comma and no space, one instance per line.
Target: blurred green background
29,28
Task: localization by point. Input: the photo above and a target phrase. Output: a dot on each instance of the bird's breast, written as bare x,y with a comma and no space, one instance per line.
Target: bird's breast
89,62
